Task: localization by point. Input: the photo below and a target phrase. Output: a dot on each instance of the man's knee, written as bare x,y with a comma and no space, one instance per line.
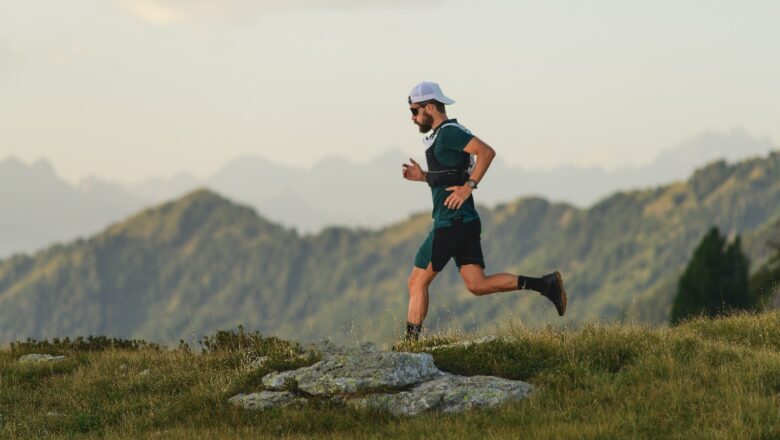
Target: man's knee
476,289
413,283
477,286
474,279
418,281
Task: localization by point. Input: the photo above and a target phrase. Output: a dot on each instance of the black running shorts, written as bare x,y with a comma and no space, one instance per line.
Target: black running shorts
461,241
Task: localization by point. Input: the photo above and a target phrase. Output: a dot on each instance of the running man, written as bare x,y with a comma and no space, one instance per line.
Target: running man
457,162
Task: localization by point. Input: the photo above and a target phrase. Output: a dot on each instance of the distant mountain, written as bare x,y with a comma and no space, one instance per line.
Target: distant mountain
335,191
199,263
583,186
39,208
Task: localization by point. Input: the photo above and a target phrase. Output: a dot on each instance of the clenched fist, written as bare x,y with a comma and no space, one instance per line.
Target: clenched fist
413,171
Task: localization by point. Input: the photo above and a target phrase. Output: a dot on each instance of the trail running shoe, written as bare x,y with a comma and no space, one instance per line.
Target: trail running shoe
555,292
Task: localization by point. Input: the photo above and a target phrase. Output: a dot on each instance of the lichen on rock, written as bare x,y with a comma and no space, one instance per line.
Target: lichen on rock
447,393
400,383
357,371
266,399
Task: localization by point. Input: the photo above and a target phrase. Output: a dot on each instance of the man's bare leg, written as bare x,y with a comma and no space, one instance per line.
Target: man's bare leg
418,284
480,284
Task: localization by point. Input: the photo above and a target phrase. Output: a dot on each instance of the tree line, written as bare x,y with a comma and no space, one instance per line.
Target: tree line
717,282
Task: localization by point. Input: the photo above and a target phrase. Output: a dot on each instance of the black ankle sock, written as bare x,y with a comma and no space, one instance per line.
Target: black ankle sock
528,283
413,331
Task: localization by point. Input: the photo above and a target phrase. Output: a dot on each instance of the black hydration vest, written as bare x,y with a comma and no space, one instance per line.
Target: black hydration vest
440,174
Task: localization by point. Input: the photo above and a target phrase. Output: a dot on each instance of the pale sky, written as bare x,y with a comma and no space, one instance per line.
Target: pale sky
127,89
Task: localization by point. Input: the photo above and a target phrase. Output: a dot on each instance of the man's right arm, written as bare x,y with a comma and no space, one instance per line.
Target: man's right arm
413,171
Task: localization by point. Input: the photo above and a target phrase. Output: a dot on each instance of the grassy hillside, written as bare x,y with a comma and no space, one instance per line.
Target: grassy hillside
705,379
188,267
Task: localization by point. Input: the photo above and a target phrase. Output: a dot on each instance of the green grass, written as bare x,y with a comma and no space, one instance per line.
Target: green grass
704,379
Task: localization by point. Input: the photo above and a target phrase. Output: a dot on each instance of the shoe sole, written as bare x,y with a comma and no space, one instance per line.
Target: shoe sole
559,280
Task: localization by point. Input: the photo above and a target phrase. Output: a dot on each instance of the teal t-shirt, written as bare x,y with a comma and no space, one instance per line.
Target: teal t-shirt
448,149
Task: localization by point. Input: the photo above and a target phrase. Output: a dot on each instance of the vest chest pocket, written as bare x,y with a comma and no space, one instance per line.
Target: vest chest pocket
439,175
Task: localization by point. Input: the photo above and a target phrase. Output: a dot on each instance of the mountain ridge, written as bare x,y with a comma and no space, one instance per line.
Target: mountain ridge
202,262
310,199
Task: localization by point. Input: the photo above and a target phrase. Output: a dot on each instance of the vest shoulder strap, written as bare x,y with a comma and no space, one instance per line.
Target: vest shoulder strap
429,140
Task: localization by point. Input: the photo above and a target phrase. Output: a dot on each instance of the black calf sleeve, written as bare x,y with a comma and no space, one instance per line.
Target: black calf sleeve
528,283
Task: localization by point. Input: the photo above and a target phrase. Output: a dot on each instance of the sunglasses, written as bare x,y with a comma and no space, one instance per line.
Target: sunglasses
416,110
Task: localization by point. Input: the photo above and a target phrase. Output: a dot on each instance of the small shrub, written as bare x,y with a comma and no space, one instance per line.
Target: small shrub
244,341
80,344
184,346
239,348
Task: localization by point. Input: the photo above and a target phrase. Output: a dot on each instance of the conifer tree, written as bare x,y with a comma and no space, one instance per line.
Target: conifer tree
715,281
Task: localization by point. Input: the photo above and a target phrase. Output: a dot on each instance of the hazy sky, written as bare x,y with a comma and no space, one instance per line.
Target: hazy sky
126,89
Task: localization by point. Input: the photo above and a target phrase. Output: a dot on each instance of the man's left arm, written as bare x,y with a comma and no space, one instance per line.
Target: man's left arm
485,156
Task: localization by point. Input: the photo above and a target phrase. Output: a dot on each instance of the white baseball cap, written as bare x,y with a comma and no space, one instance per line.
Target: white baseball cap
427,91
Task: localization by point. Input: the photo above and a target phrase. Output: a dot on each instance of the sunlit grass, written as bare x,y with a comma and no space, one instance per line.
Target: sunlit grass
703,379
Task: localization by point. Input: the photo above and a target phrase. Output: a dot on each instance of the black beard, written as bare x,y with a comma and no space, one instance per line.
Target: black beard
425,128
427,124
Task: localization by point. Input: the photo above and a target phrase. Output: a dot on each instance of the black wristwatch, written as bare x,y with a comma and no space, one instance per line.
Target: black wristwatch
471,184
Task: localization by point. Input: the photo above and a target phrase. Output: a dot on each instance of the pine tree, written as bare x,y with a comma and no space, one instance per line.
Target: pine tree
715,281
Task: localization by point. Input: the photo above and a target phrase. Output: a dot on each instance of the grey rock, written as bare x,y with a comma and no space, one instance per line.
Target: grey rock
266,399
354,371
344,373
447,393
35,357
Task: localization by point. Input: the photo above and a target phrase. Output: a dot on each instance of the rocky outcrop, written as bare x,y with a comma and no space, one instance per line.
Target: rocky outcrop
400,383
35,357
447,393
358,371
